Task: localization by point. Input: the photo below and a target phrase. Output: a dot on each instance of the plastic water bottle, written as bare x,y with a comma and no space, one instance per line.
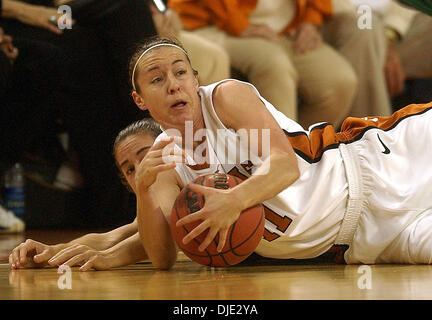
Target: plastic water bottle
14,192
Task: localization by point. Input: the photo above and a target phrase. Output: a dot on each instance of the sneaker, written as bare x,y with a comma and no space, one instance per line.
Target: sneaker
68,178
9,222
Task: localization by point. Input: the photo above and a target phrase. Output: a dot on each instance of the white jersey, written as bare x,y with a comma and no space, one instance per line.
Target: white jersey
303,220
366,188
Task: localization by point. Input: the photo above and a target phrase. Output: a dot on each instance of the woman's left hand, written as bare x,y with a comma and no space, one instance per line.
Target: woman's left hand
220,211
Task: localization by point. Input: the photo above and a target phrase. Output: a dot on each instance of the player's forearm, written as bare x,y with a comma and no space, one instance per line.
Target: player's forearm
12,9
127,252
154,231
97,241
103,241
58,3
276,173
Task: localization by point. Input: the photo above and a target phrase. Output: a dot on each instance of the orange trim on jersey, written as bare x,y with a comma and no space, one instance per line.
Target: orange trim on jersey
323,137
354,128
312,147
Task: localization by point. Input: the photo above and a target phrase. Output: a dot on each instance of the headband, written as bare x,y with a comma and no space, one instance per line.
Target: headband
147,50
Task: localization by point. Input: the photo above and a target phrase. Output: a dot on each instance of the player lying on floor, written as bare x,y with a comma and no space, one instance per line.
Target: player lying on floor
99,251
367,187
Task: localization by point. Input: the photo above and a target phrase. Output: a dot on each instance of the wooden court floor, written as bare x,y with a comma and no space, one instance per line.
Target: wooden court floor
190,281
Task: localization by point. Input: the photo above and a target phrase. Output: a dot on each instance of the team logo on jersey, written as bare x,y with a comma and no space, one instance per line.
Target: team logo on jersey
386,149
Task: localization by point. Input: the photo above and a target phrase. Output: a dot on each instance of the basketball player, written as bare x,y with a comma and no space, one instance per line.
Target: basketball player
367,187
99,251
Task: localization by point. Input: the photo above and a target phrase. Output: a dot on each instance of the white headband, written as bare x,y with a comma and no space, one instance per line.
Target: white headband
147,50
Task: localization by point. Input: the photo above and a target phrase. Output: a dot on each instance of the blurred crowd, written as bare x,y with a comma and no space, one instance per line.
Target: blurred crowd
65,92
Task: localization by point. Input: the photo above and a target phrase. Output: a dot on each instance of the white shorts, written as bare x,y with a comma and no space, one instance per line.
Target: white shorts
389,169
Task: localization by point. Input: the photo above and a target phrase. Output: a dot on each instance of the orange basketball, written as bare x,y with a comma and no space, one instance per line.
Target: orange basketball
243,236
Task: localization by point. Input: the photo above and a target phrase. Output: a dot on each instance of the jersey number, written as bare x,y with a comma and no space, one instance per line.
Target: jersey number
281,223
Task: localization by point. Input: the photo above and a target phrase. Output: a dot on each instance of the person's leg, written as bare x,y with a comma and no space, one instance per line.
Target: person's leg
209,59
327,85
265,64
416,47
414,244
393,175
365,49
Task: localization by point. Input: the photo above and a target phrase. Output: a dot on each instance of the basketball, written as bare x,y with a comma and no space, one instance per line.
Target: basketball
243,236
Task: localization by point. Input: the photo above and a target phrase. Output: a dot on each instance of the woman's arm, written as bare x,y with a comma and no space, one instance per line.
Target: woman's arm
102,241
124,253
34,15
279,169
12,8
154,208
157,189
30,253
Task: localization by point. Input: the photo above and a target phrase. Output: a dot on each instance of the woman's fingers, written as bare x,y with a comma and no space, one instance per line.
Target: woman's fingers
166,150
165,142
23,255
66,254
201,189
52,28
77,260
12,262
208,239
43,256
223,233
190,218
14,257
89,264
195,232
160,157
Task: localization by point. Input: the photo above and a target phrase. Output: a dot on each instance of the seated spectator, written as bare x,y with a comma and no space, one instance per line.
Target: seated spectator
278,46
408,44
365,49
